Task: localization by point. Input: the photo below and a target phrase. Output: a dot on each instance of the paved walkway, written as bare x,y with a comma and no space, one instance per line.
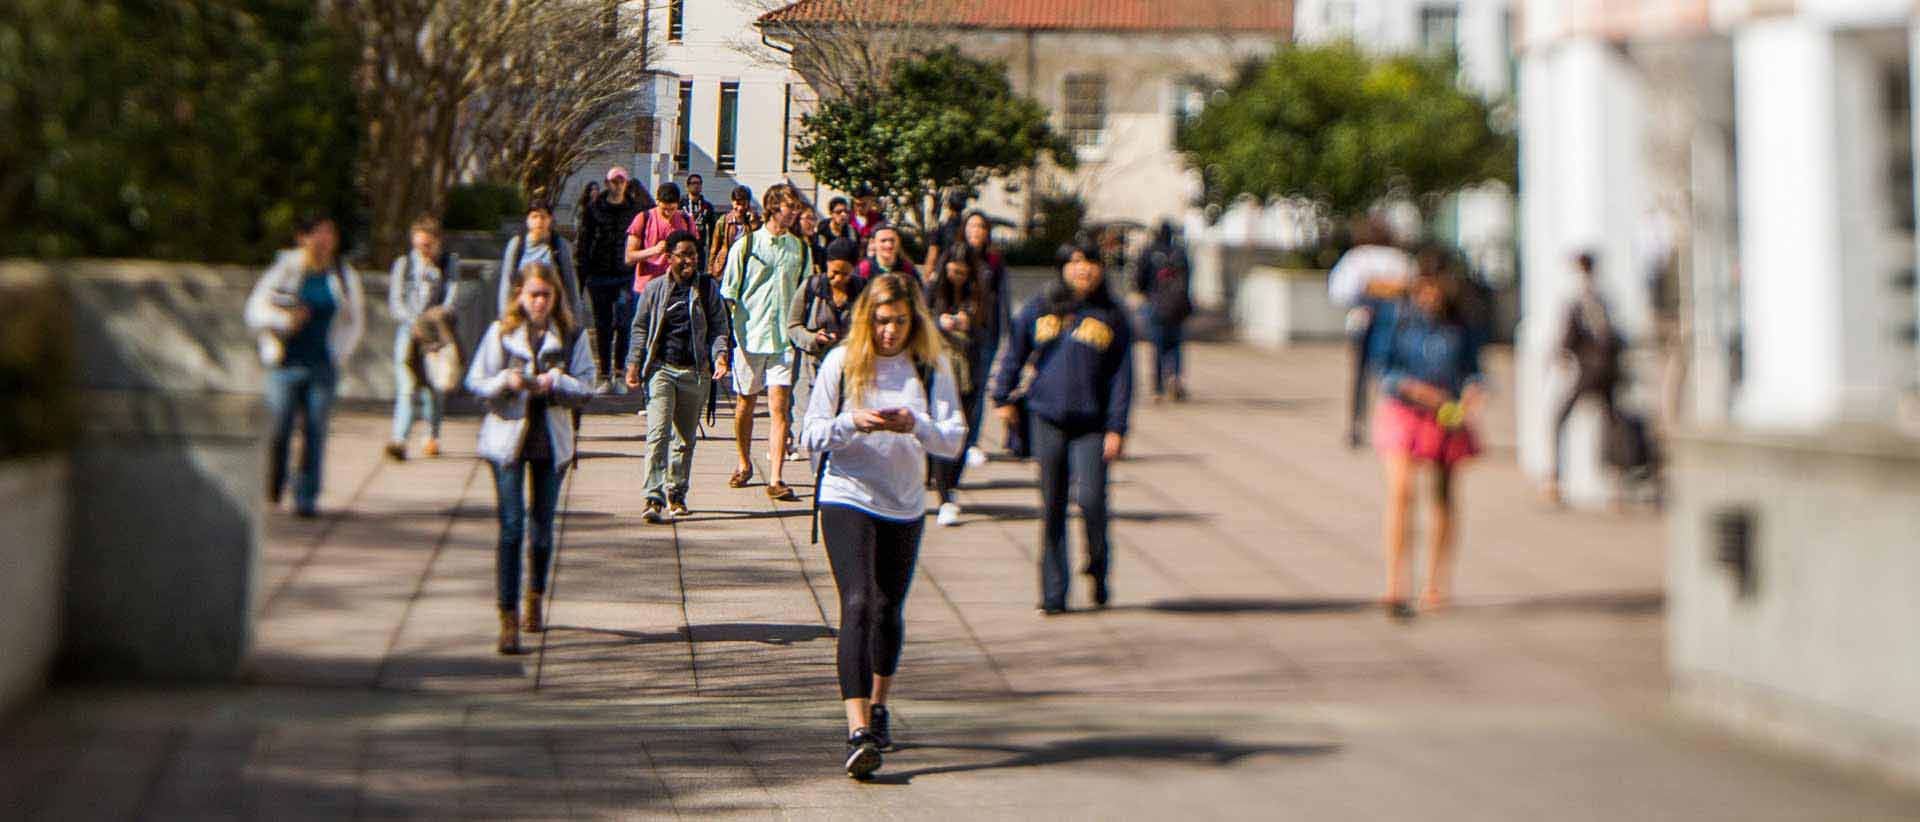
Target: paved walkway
1243,672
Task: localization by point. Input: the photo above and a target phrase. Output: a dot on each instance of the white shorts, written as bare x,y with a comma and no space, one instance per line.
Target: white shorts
755,373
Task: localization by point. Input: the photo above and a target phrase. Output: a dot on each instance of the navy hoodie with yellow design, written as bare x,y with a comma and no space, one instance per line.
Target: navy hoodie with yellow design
1083,365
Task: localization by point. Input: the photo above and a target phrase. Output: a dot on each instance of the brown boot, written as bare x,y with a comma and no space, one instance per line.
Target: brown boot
533,622
509,632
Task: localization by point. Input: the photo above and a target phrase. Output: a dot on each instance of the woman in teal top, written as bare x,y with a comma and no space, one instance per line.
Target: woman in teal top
309,314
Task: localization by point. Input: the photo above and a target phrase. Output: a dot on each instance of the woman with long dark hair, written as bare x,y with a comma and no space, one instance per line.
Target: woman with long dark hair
963,304
1431,395
1080,343
883,402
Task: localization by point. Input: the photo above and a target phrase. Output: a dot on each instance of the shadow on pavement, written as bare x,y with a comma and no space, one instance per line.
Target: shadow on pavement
1017,512
1613,602
763,633
1194,750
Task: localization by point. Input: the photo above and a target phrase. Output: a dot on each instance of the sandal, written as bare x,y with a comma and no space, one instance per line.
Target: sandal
740,477
782,492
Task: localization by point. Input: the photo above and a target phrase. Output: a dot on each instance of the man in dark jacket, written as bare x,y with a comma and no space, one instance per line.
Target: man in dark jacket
608,279
679,337
1160,275
1591,343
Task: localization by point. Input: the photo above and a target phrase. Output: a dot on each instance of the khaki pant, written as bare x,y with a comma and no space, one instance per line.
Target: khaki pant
674,398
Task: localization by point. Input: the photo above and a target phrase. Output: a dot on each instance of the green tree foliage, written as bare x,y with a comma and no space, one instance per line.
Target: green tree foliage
171,129
941,121
1343,130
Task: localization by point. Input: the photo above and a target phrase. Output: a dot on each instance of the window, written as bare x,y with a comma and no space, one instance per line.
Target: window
1189,99
676,20
724,159
610,19
1440,28
1086,110
683,147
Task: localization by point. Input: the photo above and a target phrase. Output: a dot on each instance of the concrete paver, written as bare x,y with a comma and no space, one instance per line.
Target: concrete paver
1243,672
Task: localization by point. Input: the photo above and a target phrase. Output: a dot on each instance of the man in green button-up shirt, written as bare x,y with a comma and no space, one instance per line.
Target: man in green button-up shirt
763,268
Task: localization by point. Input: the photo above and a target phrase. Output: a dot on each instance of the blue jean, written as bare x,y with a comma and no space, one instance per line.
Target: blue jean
298,391
1167,338
406,393
1070,460
510,484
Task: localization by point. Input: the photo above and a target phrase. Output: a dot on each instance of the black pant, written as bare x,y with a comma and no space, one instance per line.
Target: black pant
1599,385
609,336
872,562
946,473
1362,369
1069,458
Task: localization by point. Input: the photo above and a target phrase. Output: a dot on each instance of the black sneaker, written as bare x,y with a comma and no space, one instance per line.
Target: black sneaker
1100,592
880,726
863,754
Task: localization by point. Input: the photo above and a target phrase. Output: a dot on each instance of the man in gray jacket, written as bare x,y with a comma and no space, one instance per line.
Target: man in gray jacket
679,337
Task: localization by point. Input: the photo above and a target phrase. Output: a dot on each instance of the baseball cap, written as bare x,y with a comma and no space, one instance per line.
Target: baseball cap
616,173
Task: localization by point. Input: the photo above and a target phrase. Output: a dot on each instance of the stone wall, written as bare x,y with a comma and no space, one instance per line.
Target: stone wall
1791,590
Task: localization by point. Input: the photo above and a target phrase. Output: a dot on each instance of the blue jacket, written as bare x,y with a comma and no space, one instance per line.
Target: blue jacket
1414,347
1083,364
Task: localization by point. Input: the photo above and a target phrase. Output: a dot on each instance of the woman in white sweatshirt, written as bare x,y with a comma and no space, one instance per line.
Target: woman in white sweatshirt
308,311
530,370
882,403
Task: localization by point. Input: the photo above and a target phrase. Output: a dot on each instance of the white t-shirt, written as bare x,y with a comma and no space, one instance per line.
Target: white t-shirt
1364,265
882,472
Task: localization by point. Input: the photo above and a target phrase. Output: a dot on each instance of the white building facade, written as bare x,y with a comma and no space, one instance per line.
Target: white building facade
1776,141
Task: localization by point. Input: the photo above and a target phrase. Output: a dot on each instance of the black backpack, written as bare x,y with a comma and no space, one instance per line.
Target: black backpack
1170,299
926,372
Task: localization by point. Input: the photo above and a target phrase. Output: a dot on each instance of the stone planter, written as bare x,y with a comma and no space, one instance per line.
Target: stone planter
33,514
1277,307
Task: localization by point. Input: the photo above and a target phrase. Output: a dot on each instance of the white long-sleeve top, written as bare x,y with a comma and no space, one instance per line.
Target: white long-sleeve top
274,324
883,473
1364,265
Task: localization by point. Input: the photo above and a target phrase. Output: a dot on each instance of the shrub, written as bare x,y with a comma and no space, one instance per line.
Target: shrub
482,206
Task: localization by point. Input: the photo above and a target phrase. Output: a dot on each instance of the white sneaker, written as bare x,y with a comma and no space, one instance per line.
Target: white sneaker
602,387
949,515
976,457
796,456
619,387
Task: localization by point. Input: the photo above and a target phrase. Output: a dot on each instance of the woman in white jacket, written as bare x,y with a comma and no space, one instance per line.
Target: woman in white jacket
308,311
882,403
530,369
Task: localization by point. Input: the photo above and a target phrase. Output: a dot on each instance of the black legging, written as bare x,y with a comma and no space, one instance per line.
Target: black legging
1601,385
609,335
872,562
1362,368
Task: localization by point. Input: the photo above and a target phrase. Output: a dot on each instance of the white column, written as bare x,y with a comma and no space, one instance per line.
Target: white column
1580,173
1791,241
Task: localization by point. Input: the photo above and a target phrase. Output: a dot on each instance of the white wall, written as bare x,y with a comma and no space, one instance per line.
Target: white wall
720,45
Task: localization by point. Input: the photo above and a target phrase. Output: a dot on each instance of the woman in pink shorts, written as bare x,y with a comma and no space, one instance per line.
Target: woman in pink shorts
1431,396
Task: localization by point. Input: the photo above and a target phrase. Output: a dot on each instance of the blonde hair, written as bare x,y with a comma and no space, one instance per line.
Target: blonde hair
427,224
923,343
561,318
